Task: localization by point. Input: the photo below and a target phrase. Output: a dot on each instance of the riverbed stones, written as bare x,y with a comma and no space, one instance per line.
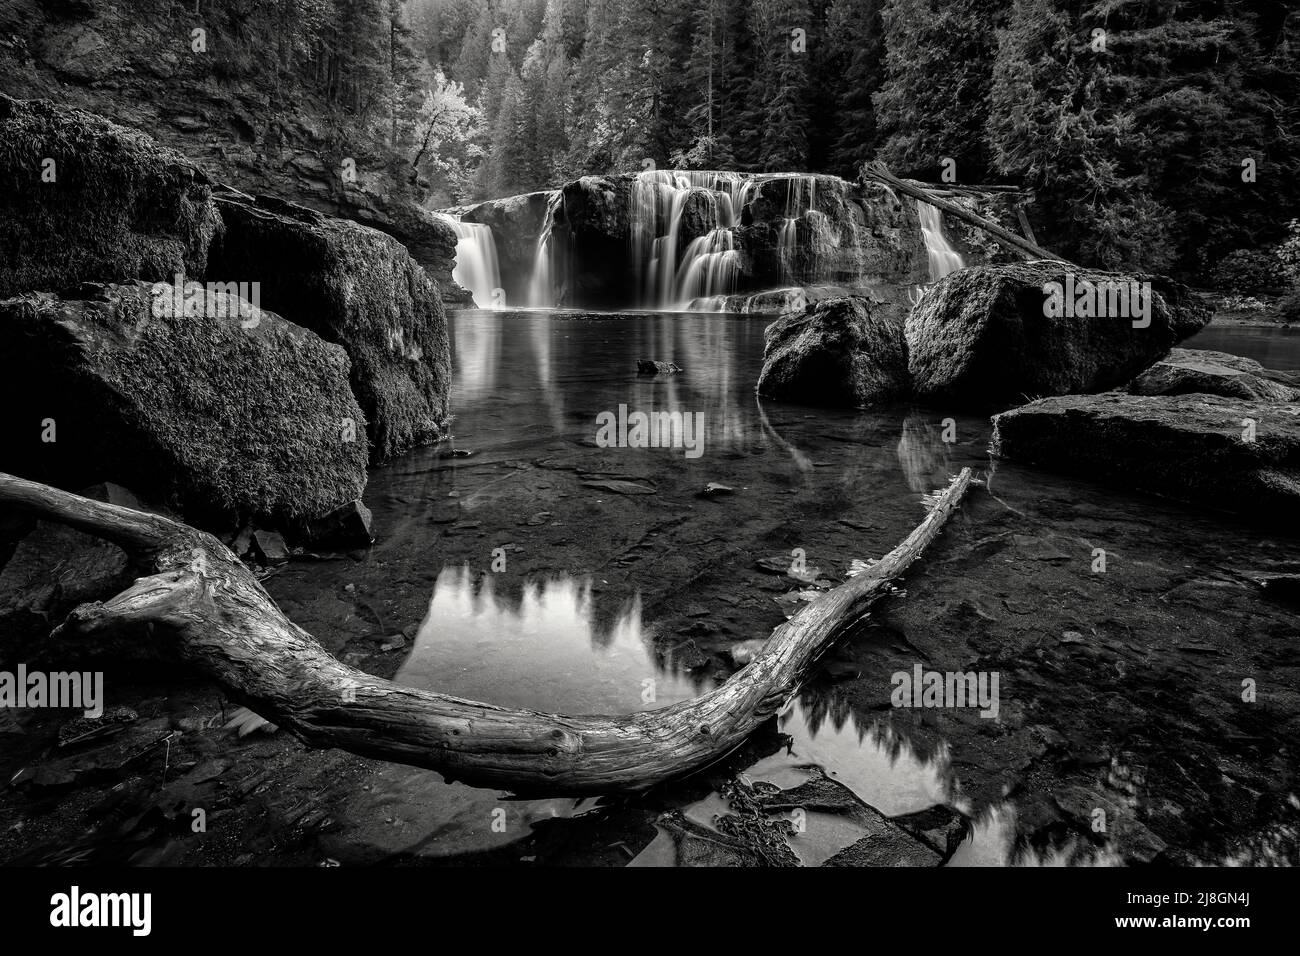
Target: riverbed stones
222,411
1184,371
846,352
82,198
356,287
1218,452
991,336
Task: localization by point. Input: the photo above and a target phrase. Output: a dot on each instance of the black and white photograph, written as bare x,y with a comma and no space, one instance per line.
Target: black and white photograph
573,435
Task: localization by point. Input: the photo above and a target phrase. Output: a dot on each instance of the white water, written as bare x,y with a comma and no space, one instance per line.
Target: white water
476,266
709,265
541,284
944,259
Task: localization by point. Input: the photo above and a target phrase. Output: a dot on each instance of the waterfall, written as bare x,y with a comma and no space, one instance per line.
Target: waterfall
943,257
476,266
709,265
541,284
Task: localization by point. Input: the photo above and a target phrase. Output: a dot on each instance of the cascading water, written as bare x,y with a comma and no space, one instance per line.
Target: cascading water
541,283
476,262
943,257
709,265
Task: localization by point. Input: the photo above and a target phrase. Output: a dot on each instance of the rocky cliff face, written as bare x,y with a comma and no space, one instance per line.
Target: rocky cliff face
516,223
134,64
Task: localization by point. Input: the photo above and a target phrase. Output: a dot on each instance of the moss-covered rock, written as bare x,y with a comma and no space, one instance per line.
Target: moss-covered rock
223,412
848,352
82,199
991,336
359,288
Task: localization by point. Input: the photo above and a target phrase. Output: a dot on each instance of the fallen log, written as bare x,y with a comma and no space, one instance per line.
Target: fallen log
880,173
204,606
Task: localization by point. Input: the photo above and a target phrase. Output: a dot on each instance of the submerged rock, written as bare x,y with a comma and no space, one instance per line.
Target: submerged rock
86,199
983,336
650,367
1234,455
356,287
849,351
222,411
1185,371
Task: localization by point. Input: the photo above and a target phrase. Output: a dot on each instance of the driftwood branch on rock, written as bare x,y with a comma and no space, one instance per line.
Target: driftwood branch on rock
880,173
214,614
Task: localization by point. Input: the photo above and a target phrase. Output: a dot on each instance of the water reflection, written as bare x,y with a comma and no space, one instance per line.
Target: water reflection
542,646
871,759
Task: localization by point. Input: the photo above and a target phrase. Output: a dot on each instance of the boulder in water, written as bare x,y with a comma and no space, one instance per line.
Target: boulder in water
1219,452
193,398
1185,371
991,336
848,351
359,288
85,199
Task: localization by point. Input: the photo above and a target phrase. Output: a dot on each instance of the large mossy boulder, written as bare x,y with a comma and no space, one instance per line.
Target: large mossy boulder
356,287
1222,453
192,398
83,199
991,336
848,352
1188,371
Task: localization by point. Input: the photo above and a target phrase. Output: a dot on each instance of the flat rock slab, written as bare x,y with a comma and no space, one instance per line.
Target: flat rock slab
1196,448
1186,371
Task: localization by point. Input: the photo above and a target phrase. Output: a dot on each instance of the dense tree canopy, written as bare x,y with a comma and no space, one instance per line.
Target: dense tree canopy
1155,133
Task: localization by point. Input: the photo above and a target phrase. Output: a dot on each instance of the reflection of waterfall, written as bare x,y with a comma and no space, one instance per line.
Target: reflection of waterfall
476,262
541,284
923,455
943,257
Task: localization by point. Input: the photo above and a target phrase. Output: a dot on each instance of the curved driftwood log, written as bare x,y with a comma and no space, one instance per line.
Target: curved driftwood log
218,618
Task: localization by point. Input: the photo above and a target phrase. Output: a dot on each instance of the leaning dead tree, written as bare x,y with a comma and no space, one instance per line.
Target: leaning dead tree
1030,250
203,605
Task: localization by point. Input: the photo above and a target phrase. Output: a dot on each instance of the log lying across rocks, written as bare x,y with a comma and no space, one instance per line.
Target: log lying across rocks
1030,250
211,612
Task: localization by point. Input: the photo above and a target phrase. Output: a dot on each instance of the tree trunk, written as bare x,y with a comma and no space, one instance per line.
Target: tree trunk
213,614
880,173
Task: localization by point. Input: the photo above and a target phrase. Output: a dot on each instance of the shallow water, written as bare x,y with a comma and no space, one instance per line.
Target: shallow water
547,572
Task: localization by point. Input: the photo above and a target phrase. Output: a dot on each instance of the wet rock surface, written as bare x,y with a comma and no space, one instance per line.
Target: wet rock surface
848,352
